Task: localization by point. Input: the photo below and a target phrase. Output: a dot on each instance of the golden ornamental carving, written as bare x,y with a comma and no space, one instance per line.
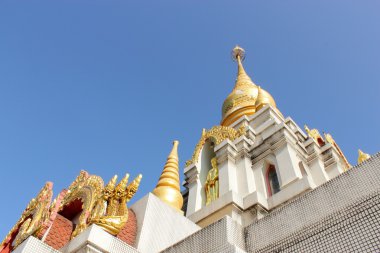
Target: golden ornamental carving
363,156
86,188
32,219
212,182
314,134
111,212
104,206
101,205
217,135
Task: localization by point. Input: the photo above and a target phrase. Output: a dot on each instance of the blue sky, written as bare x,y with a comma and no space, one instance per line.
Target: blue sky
106,86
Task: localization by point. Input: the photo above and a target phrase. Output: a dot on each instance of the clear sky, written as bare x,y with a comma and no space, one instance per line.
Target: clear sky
106,86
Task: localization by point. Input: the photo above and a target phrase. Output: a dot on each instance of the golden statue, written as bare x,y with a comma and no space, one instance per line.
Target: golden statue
212,182
363,156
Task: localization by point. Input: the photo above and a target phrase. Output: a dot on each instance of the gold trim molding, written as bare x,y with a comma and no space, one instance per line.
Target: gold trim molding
217,135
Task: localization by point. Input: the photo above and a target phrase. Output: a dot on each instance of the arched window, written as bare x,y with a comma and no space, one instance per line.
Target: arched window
272,181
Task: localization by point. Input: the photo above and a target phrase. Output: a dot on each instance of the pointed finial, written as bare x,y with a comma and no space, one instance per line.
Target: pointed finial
238,54
168,186
242,79
363,156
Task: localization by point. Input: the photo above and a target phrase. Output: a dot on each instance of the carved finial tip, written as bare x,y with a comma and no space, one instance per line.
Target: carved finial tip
238,52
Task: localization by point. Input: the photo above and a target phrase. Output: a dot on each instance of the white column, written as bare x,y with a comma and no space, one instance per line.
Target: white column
244,173
225,153
194,202
287,162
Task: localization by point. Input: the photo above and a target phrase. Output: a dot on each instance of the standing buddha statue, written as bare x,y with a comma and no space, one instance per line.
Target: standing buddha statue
212,182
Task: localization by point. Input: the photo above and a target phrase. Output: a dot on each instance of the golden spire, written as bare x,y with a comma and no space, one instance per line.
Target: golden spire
246,97
363,156
242,79
241,101
168,186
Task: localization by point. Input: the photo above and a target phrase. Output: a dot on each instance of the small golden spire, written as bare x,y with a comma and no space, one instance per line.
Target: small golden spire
168,186
363,156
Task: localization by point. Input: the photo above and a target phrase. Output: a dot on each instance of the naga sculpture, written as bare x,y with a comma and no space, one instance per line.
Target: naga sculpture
113,201
104,206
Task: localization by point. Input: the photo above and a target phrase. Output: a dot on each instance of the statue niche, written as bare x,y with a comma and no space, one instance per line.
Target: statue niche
212,182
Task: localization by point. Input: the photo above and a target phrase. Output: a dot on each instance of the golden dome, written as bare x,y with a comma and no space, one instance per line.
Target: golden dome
264,98
246,97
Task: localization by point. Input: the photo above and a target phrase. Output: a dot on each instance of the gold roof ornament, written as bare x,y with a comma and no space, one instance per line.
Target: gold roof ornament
168,186
245,98
105,206
363,156
116,215
32,220
315,135
216,134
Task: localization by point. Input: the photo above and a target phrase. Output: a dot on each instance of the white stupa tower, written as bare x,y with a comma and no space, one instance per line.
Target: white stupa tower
263,159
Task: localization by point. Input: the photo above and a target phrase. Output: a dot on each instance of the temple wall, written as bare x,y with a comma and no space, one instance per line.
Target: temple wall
342,215
346,208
